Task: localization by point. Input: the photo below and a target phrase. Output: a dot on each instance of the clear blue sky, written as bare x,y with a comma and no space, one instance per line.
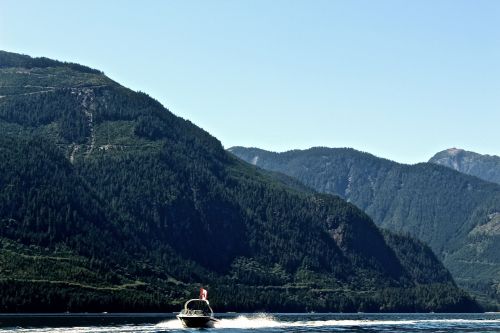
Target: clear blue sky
399,79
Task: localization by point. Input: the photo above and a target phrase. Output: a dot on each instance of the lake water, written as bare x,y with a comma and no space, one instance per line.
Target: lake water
255,323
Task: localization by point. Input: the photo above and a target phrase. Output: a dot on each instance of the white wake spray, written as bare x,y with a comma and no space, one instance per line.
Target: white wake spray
172,324
261,320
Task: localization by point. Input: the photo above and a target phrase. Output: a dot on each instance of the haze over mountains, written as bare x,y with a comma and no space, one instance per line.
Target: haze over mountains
486,167
109,202
456,214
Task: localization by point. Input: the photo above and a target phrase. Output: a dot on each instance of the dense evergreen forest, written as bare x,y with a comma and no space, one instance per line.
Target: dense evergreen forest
109,202
456,214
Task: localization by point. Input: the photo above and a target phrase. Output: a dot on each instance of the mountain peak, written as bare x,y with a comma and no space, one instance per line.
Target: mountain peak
10,59
486,167
454,151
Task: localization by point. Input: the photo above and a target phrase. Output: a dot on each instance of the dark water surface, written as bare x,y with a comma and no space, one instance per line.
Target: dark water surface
278,323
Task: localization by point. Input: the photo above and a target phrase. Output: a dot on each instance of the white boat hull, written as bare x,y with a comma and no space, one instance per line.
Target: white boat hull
194,321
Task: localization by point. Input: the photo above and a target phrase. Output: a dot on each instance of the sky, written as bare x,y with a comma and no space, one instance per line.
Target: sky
399,79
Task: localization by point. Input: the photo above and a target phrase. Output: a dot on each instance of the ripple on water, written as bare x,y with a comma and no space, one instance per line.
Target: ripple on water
301,324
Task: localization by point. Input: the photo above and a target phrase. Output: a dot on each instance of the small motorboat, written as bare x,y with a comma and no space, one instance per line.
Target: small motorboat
197,312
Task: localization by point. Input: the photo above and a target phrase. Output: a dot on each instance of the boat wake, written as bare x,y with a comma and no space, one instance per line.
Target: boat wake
257,321
264,322
240,322
269,321
171,324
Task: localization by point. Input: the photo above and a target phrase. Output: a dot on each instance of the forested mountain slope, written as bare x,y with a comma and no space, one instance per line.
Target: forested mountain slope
109,202
486,167
456,214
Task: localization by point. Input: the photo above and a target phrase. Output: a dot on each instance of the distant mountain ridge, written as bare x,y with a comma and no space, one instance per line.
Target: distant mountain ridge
486,167
109,202
456,214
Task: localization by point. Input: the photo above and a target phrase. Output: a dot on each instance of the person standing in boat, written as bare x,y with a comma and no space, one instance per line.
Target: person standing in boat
204,294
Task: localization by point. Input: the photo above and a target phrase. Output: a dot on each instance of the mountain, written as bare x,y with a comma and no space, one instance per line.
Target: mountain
109,202
456,214
486,167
